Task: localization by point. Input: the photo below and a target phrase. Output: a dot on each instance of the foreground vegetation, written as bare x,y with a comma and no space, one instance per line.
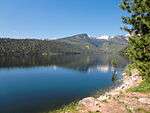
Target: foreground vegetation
144,87
72,108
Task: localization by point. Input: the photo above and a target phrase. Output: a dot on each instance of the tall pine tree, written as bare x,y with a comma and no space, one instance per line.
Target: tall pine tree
137,23
138,16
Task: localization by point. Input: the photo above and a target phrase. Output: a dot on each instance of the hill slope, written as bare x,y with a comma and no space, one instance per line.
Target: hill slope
21,47
76,44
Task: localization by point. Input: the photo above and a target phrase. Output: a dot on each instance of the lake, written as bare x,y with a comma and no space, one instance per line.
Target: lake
40,84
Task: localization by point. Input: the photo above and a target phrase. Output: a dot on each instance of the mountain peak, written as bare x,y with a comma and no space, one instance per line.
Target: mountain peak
104,37
83,35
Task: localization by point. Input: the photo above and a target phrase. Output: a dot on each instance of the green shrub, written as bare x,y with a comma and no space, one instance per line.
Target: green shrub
114,62
143,87
72,107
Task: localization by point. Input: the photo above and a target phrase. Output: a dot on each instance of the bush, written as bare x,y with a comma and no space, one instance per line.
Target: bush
114,62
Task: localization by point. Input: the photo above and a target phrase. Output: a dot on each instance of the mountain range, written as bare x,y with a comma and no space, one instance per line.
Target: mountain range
77,44
101,43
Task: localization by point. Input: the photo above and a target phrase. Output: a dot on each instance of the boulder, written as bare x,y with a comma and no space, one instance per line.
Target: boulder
89,104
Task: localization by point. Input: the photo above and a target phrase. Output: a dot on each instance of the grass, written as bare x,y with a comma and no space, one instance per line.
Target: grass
71,108
141,110
144,87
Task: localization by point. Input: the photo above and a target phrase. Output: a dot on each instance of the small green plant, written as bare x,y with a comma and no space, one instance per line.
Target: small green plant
71,108
114,62
129,68
141,110
143,87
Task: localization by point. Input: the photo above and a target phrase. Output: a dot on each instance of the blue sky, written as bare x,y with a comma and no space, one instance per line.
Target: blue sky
59,18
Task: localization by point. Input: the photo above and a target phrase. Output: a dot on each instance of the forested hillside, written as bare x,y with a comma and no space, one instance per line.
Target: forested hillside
33,47
76,44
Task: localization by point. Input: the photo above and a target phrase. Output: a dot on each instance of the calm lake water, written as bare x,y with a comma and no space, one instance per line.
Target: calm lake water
41,84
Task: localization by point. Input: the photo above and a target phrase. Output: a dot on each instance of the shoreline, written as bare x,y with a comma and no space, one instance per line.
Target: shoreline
91,104
120,99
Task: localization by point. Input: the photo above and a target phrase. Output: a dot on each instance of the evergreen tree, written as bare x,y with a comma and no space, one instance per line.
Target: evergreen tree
137,23
138,16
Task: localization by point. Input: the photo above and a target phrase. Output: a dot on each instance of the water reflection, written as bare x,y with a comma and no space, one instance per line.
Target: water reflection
39,84
114,76
82,63
100,68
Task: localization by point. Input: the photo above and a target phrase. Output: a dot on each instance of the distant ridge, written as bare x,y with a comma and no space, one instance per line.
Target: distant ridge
76,44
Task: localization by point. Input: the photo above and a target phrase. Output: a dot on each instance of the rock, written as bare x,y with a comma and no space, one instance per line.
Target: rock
89,104
114,93
144,100
89,100
103,98
124,74
116,100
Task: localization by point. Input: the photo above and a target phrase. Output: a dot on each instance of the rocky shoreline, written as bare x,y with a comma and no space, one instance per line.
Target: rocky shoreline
118,100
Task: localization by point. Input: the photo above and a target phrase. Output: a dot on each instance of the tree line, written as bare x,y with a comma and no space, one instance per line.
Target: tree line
34,47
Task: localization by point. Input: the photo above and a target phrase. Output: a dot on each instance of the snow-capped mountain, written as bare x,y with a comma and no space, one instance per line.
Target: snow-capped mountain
103,37
103,41
107,37
107,40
